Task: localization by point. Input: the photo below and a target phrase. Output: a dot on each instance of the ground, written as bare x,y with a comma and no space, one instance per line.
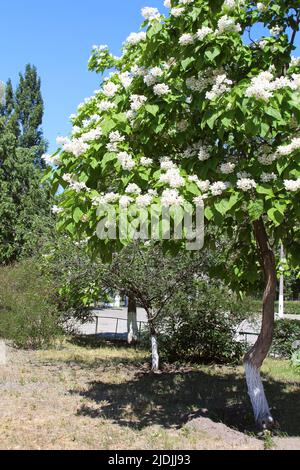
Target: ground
78,397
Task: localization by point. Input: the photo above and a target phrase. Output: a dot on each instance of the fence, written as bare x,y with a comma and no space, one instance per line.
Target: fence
118,321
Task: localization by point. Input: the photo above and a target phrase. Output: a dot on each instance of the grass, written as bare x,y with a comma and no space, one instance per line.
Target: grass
105,397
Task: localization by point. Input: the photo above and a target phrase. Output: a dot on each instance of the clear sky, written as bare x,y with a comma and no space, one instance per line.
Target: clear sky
56,36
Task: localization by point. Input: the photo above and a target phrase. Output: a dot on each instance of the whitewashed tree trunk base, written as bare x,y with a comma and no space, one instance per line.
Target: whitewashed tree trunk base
132,328
258,398
155,355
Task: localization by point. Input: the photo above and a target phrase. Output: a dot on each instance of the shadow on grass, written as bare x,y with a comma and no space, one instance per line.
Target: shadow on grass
172,399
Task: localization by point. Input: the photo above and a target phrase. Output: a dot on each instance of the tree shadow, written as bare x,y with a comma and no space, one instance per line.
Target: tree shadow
172,399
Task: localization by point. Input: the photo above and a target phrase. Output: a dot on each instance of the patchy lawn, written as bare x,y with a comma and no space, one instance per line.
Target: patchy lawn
77,397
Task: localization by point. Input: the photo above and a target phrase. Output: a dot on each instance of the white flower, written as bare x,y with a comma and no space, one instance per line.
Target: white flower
276,30
93,134
78,187
56,210
144,200
150,13
262,7
228,25
125,79
125,201
167,3
204,153
151,78
76,146
227,168
126,161
176,12
288,149
62,140
171,197
105,106
266,159
51,160
230,4
221,86
161,89
186,2
186,39
246,184
204,186
115,136
112,147
133,189
173,178
135,38
198,201
167,164
137,101
267,177
292,185
203,32
295,61
110,89
146,161
218,188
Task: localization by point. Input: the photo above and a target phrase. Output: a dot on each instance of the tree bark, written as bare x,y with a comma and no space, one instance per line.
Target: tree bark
132,325
154,349
256,356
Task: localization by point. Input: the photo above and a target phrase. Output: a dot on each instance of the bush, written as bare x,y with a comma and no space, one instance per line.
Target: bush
200,326
27,315
287,333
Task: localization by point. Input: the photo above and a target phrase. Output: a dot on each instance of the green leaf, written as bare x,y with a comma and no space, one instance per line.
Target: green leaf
256,209
77,214
152,109
186,62
275,216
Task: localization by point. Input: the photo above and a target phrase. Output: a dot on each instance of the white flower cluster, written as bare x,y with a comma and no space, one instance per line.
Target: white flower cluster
133,189
228,25
203,81
144,200
292,185
91,135
110,89
126,161
152,77
262,7
221,86
108,198
137,101
268,177
288,149
232,4
203,185
134,38
150,13
56,210
200,35
146,161
246,184
51,160
227,168
218,188
76,146
173,178
171,197
114,139
167,3
295,61
263,85
161,89
126,79
198,149
105,106
276,30
177,12
75,185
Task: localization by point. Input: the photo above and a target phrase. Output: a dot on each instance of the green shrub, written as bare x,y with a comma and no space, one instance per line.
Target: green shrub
286,334
27,315
200,326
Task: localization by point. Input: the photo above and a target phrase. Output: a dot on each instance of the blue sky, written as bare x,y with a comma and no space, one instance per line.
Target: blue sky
56,36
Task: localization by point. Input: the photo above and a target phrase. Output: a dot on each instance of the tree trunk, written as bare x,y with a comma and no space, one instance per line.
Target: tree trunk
154,349
132,325
256,356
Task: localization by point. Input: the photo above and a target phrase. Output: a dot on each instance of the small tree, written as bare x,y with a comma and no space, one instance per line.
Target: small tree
223,104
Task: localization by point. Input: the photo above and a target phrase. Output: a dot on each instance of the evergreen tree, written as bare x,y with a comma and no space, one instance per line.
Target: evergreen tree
30,111
24,201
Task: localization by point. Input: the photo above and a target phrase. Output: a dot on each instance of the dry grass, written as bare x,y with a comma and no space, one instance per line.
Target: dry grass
76,397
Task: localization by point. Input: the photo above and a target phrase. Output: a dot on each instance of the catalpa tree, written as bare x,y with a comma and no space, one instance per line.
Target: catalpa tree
200,108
